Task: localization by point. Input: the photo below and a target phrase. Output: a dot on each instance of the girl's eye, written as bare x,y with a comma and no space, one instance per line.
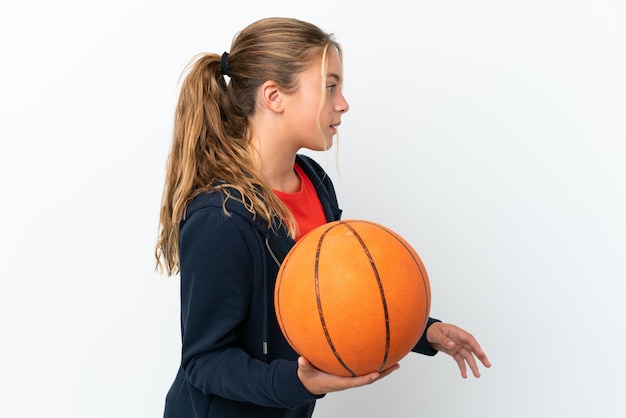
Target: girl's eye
331,87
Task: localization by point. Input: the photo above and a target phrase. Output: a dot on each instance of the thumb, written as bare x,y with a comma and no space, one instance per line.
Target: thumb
303,363
436,335
444,341
449,344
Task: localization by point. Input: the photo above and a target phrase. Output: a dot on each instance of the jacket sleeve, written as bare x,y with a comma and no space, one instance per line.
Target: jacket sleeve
422,346
217,272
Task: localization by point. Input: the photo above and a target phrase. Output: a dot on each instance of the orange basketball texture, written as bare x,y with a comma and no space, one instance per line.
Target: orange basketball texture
353,297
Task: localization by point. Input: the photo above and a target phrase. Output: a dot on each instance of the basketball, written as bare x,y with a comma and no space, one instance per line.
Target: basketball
352,297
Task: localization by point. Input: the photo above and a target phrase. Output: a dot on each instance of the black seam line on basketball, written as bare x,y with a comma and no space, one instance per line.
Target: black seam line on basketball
382,295
418,264
319,303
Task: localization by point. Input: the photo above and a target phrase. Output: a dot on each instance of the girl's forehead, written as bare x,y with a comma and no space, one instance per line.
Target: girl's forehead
333,65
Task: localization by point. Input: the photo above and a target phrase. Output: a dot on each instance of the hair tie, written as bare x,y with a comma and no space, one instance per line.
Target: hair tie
224,69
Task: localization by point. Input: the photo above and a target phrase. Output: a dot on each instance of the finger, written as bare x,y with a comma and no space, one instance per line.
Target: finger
485,361
471,361
483,358
388,371
460,361
475,347
479,353
353,382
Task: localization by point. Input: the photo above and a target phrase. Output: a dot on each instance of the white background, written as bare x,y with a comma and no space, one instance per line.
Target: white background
491,134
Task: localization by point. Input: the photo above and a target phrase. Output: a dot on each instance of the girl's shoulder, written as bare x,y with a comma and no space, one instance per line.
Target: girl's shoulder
227,199
222,205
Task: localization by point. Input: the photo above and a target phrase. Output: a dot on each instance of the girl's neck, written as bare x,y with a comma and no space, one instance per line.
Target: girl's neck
277,166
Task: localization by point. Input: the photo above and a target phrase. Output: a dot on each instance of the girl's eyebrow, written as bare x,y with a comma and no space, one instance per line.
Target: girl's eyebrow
335,76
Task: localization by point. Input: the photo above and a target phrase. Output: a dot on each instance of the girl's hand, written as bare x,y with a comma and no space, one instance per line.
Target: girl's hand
318,382
458,343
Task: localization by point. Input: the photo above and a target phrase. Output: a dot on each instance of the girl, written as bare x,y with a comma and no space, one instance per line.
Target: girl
237,195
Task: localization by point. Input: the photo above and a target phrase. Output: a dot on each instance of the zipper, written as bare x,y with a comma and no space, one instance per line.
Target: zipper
267,244
269,249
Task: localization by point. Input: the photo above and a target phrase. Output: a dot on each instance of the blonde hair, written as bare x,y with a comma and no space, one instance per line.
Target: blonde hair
210,147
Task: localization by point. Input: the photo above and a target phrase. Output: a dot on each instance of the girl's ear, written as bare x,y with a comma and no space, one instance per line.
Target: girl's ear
271,96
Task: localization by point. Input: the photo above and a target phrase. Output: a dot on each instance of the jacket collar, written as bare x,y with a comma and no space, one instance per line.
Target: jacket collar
276,237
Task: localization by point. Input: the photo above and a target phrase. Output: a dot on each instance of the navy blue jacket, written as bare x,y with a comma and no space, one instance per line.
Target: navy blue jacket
235,361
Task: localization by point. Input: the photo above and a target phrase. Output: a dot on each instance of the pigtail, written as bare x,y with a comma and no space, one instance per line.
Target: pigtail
197,116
